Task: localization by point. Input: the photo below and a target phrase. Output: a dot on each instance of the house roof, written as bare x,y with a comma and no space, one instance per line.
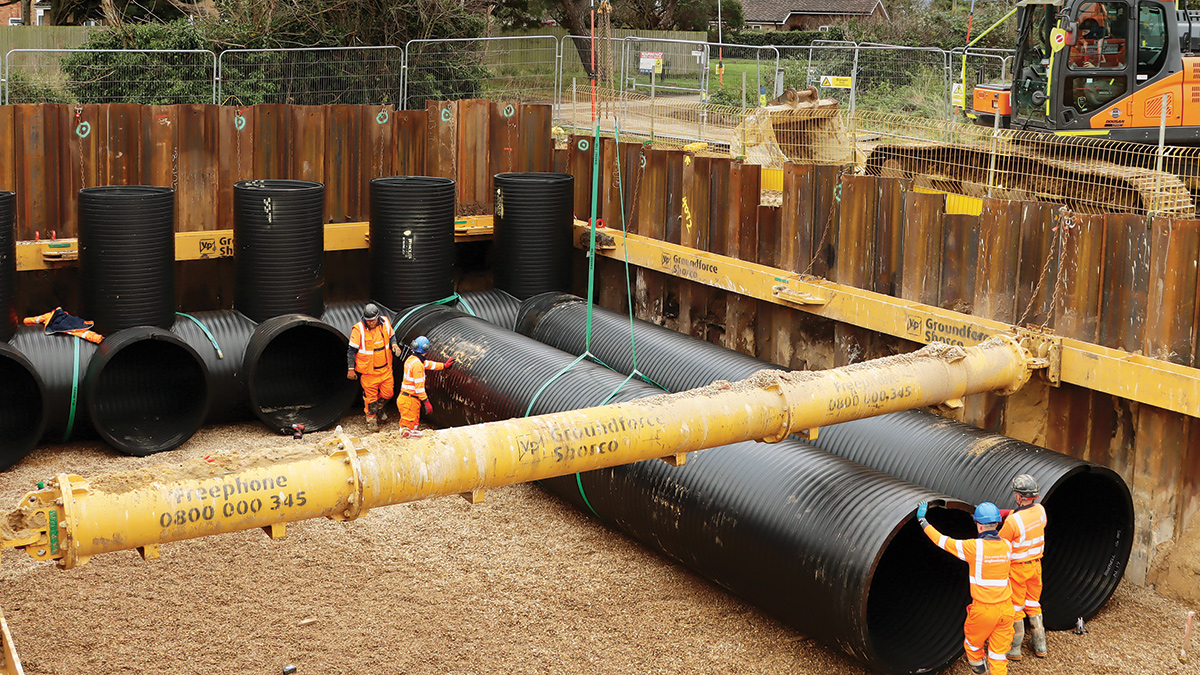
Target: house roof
777,11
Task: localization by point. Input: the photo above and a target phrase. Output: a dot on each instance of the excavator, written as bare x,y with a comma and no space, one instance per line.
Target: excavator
1086,73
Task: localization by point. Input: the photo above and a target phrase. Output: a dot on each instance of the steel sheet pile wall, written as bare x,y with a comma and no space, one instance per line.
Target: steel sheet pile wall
412,240
1116,280
8,266
766,521
1089,506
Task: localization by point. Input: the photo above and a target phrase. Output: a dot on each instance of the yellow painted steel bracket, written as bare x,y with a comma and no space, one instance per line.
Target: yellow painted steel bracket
1112,371
72,519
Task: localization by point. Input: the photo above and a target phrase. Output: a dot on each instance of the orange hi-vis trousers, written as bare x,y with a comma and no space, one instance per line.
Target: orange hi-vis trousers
1025,580
410,411
376,385
989,624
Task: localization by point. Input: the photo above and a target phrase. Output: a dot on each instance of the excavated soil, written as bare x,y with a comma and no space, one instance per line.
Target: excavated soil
518,584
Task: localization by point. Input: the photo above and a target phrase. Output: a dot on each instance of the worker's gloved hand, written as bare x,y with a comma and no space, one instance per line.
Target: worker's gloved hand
428,406
449,363
922,509
351,375
396,350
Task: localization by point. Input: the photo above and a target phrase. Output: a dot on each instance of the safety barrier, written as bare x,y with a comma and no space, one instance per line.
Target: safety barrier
1089,506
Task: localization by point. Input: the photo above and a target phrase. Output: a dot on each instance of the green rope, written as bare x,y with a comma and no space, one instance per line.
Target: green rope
213,340
74,393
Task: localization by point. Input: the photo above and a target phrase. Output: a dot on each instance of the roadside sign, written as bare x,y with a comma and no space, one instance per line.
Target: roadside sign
958,97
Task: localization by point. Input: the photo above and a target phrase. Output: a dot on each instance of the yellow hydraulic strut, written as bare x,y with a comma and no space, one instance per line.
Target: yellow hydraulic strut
9,663
72,519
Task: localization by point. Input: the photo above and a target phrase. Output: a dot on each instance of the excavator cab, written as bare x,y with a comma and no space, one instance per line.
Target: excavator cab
1100,68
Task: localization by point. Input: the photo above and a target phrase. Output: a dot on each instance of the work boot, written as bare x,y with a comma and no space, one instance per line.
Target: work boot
1038,629
977,667
383,416
372,424
1014,654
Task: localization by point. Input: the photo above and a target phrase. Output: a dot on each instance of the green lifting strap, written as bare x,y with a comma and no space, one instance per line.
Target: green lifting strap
213,340
74,393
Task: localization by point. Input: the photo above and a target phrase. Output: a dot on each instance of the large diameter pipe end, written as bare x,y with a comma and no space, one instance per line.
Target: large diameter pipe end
22,406
146,391
295,369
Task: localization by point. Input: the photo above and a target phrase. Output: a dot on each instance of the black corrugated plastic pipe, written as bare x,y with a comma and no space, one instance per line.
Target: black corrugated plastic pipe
296,373
765,521
492,305
127,256
62,374
22,406
279,232
412,240
8,266
146,390
289,370
531,241
1090,509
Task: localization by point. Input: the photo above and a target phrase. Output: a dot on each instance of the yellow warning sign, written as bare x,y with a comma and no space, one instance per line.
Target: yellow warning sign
836,82
958,96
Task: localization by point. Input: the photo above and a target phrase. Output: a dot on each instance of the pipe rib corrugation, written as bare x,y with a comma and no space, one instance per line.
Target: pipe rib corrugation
53,358
343,315
492,305
8,266
295,369
531,243
226,372
22,406
279,233
765,521
1089,507
127,256
146,391
412,240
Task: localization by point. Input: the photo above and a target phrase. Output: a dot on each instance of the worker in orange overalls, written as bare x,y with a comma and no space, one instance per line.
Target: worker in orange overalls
369,360
1025,529
990,614
59,321
412,389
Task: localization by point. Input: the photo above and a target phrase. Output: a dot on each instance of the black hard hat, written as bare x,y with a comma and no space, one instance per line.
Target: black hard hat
1025,485
370,312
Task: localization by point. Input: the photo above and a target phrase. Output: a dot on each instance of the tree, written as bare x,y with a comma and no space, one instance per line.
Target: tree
677,14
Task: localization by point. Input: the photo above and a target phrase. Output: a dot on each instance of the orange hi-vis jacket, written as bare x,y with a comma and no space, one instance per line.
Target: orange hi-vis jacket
1025,529
414,376
374,352
988,559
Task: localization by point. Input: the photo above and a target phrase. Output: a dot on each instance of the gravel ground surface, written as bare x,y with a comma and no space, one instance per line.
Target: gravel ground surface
518,584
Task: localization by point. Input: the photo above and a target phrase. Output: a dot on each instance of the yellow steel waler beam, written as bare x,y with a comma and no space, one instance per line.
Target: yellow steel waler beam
73,519
1133,377
52,254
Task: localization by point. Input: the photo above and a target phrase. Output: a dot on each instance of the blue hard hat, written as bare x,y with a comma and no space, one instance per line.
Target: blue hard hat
987,513
421,345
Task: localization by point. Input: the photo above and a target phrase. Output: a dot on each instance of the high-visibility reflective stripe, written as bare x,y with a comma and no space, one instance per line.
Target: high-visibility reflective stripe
1017,608
942,541
1032,603
970,646
1028,554
959,546
997,657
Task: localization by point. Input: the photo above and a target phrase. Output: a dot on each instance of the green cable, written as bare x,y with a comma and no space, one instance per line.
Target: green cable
213,340
74,393
625,242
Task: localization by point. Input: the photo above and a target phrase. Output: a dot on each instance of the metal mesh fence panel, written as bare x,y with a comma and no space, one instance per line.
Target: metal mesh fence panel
110,76
507,68
904,80
825,65
316,76
981,66
731,65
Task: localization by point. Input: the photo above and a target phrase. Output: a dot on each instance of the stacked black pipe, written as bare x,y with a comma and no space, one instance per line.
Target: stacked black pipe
412,240
22,406
766,521
145,390
1090,509
531,243
61,363
279,232
8,266
127,256
492,305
